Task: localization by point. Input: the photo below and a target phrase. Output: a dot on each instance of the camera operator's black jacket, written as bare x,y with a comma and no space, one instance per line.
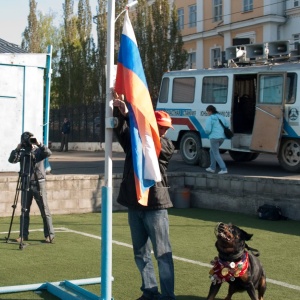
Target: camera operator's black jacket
159,197
35,155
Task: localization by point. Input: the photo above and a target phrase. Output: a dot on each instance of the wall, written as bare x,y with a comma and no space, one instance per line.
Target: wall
82,193
21,100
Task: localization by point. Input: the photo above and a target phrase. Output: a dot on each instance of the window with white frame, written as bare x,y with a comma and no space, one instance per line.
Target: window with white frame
180,13
247,5
192,16
191,60
217,10
215,57
296,3
296,39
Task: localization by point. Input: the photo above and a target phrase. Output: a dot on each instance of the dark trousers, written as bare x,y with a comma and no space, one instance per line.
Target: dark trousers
64,142
40,197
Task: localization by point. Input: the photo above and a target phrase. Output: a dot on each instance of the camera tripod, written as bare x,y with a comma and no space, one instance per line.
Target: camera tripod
27,163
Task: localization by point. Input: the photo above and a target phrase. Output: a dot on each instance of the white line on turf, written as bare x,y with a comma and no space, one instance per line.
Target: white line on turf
63,229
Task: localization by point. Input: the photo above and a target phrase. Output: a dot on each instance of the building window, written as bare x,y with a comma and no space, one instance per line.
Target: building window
192,60
247,5
180,13
296,39
217,10
184,90
216,57
192,16
296,3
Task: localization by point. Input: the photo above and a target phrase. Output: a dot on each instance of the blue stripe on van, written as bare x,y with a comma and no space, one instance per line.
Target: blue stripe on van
198,126
288,130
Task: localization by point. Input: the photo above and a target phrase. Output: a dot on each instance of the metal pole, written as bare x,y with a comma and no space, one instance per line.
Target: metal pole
47,101
47,104
41,286
106,244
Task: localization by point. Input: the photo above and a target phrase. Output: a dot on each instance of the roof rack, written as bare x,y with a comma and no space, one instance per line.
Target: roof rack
264,53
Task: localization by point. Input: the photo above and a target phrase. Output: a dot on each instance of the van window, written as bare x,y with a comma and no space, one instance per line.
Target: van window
270,89
184,90
215,89
291,88
164,90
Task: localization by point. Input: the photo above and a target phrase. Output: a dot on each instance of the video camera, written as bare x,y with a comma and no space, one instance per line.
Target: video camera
28,139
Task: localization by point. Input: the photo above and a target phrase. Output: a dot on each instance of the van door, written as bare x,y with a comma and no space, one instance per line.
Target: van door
268,121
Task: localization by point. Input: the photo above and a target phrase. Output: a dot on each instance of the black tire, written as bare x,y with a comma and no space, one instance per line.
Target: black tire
289,155
242,156
254,156
204,160
190,146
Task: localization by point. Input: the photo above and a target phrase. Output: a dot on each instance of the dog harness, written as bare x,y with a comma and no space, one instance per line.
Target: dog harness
223,271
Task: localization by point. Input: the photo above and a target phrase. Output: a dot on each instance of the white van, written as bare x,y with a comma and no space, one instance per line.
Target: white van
261,102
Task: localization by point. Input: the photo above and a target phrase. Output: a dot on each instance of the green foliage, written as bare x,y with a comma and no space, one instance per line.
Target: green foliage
159,40
101,20
31,37
78,76
79,67
178,55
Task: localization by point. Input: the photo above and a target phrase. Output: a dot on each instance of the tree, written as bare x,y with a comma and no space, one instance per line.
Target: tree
31,38
38,35
159,40
88,87
101,19
70,45
178,55
50,35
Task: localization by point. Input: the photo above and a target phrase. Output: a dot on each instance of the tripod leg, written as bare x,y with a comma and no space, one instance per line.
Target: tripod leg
14,206
24,200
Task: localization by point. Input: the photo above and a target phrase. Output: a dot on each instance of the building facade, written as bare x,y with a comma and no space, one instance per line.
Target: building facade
210,26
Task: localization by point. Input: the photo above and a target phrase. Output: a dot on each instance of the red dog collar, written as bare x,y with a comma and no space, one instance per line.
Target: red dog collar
227,271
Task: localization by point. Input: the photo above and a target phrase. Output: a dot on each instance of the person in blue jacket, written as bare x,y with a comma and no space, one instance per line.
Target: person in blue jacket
216,136
65,131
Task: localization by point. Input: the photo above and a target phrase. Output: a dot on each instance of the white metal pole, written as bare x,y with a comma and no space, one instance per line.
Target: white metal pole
106,207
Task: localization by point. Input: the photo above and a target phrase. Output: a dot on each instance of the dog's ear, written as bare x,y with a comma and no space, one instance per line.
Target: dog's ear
245,236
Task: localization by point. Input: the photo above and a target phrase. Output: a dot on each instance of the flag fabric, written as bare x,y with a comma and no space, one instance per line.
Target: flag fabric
145,140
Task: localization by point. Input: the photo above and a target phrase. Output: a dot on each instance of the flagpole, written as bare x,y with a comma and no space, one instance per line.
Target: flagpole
106,207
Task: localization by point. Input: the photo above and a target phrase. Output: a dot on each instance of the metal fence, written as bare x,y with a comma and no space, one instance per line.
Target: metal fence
87,123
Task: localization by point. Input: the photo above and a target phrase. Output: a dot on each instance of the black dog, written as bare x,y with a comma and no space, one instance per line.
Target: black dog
235,265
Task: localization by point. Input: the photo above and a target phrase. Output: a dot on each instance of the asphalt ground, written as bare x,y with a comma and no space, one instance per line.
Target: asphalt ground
93,163
84,162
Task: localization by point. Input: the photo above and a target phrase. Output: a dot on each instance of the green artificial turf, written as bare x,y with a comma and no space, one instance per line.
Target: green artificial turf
76,256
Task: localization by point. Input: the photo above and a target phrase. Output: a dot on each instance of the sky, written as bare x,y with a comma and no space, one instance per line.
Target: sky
14,13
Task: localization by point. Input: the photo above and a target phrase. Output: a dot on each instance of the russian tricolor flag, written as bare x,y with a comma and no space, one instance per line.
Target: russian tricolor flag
145,140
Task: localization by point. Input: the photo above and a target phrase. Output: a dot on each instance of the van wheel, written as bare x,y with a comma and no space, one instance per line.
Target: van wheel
289,155
254,156
204,158
190,146
242,156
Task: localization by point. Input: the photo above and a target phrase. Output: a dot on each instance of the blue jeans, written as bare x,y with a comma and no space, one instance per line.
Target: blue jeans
152,227
215,156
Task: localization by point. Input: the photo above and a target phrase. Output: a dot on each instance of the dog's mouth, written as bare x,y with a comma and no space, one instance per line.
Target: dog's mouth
224,231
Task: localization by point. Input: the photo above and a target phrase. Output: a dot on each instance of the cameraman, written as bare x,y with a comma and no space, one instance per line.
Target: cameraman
33,167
